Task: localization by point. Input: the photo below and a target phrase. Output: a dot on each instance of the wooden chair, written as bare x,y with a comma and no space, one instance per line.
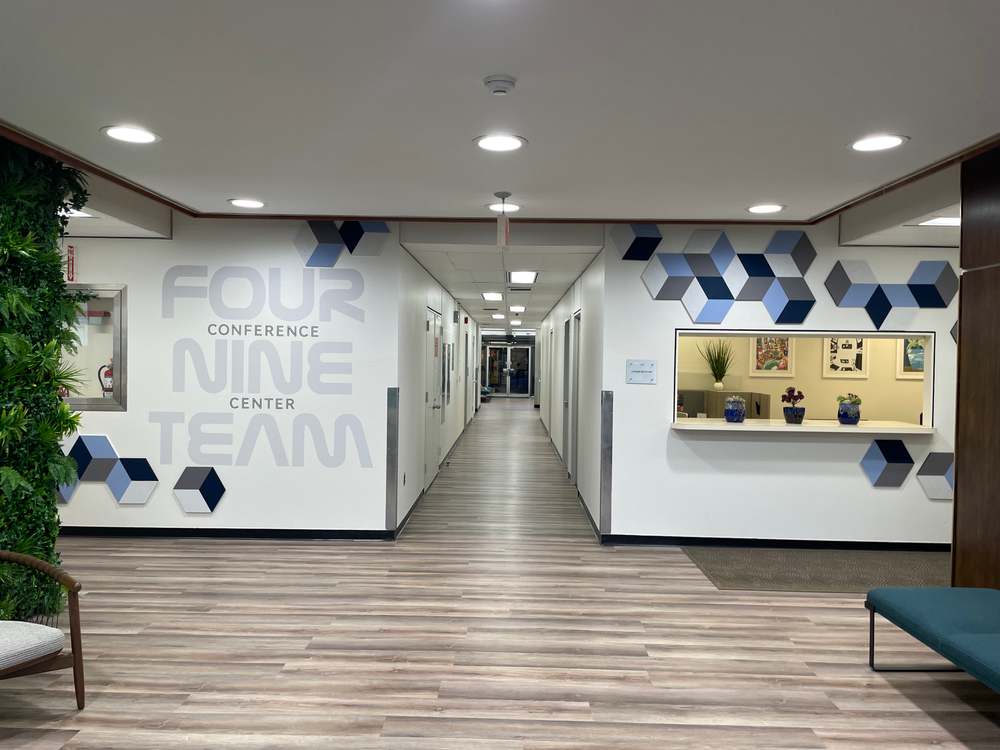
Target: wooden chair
18,632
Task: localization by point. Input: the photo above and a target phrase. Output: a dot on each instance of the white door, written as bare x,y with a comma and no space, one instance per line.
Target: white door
575,403
432,398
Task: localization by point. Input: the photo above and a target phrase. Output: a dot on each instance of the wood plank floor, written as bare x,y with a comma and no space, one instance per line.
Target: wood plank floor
496,622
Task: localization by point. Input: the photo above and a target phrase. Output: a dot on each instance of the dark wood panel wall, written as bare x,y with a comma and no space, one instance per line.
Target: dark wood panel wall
976,530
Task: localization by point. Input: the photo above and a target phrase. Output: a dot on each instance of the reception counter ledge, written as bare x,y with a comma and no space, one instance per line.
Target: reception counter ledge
864,427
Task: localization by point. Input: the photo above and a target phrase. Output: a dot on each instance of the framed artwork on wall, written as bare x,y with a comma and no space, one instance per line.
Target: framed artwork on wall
910,359
845,358
772,357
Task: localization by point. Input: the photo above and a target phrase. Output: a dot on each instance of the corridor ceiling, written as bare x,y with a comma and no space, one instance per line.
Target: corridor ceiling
632,109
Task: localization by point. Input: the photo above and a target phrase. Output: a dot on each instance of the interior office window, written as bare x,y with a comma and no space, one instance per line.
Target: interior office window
892,374
102,353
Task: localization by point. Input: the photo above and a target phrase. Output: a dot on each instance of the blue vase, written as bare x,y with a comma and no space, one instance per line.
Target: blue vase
736,411
795,414
849,413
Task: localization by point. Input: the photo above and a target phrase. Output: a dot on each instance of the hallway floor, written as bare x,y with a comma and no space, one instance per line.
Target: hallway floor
495,622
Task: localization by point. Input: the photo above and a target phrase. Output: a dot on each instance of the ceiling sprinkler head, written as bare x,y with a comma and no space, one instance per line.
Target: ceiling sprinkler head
499,85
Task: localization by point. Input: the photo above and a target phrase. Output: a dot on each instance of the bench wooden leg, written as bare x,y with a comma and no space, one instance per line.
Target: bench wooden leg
76,642
871,652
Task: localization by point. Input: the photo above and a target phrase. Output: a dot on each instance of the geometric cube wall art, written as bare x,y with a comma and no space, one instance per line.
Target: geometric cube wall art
94,456
937,476
933,284
365,238
635,241
199,489
708,276
887,463
320,243
132,481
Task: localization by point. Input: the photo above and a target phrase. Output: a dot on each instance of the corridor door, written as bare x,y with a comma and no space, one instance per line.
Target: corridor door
497,369
519,372
432,397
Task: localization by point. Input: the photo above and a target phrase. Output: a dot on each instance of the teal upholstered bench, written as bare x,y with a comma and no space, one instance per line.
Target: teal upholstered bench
963,625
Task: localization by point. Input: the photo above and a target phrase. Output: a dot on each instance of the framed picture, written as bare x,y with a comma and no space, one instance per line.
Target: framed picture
845,358
910,359
772,357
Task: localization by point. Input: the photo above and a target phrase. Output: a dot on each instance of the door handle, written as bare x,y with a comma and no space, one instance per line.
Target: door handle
436,406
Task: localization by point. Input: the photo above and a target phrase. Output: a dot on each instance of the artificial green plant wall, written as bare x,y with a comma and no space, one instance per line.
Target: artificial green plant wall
36,312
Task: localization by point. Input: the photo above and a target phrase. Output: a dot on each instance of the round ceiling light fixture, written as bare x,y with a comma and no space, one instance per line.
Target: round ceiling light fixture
503,207
247,203
879,142
499,85
130,134
766,208
500,142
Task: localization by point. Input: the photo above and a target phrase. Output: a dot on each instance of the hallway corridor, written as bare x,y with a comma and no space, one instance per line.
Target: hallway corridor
495,622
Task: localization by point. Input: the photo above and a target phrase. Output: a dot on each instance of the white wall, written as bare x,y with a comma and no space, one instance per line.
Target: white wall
417,292
782,487
265,489
587,297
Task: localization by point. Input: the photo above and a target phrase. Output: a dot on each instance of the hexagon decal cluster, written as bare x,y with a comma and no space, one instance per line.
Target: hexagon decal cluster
131,480
635,241
851,283
320,243
708,276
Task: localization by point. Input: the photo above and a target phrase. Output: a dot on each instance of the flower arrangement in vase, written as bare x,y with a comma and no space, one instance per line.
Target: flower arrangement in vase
720,357
794,414
736,409
849,411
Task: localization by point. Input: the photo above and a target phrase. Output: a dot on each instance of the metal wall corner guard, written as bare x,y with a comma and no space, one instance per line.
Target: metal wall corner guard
391,456
607,442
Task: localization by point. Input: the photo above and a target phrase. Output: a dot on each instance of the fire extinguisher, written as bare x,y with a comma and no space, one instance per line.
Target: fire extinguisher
106,376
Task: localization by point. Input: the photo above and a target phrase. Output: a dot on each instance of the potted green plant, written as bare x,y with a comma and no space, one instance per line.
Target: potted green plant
849,411
736,409
720,356
794,414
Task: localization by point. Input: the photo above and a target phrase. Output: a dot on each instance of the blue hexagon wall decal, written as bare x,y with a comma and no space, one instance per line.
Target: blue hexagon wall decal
635,241
319,243
132,481
667,276
933,283
94,456
789,300
199,489
364,237
887,463
937,476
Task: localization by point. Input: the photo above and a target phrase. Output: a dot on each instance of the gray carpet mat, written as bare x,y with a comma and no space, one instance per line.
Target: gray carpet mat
835,571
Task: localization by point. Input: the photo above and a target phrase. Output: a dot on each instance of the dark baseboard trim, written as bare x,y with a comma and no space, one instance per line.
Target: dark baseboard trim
556,451
538,406
707,541
593,524
402,524
379,535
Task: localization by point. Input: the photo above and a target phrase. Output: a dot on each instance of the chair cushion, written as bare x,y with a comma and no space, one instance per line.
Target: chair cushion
21,642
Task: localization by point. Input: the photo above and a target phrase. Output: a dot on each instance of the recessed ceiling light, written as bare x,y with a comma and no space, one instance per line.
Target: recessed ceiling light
515,322
491,332
247,203
72,213
130,134
879,142
498,316
500,142
517,308
942,221
492,296
523,277
506,207
766,208
525,333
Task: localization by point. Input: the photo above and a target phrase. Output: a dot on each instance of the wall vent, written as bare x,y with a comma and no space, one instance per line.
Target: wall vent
519,289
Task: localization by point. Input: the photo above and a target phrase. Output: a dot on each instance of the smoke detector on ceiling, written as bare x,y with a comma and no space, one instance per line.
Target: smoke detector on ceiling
500,85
